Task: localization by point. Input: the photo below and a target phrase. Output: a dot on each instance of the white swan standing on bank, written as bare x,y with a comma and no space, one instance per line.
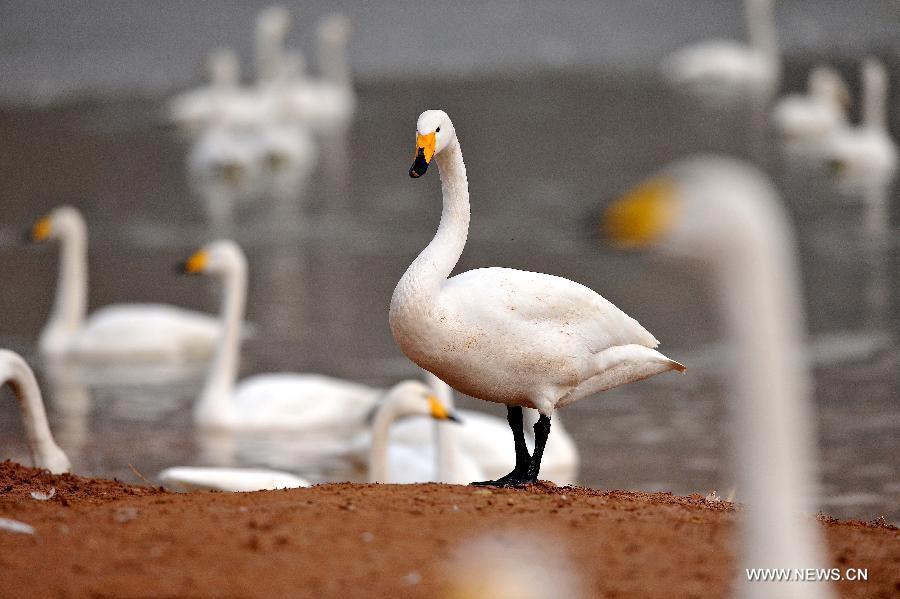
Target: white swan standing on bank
45,453
728,216
519,338
725,71
115,333
804,121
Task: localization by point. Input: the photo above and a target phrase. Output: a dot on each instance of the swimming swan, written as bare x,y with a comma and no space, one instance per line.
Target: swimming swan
45,453
119,332
725,71
286,401
519,338
727,215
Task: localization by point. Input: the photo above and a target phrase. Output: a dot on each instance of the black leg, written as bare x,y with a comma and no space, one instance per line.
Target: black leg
541,432
523,458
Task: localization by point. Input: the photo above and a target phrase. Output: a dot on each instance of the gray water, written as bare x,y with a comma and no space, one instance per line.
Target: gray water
544,153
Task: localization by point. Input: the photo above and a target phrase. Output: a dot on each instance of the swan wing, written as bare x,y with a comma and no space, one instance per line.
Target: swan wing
502,298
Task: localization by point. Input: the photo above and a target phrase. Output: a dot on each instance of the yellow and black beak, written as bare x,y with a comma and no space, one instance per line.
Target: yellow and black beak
439,412
40,230
424,153
642,216
195,264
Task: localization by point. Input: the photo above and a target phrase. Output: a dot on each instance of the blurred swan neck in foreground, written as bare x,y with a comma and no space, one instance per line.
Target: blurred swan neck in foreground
216,407
45,453
424,277
70,304
761,31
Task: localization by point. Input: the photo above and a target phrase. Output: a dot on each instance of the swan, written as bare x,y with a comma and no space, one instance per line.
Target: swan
273,23
519,338
865,157
727,215
234,480
119,332
286,401
804,121
45,453
325,104
222,101
486,439
721,71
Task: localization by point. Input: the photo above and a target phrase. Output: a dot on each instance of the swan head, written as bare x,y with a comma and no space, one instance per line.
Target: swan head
273,22
335,28
216,258
696,208
434,133
827,84
414,398
59,223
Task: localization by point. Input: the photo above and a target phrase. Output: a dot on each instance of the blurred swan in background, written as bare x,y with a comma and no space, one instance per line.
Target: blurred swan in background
519,338
235,480
273,24
727,215
804,121
864,157
45,453
118,332
221,101
725,71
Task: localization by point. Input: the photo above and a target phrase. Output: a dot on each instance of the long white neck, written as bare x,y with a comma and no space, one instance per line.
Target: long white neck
332,57
44,451
445,434
70,304
875,90
385,415
215,408
422,281
268,52
771,404
761,31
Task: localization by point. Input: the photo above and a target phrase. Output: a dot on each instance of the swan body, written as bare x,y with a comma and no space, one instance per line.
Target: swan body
116,333
728,216
724,71
804,121
45,453
519,338
235,480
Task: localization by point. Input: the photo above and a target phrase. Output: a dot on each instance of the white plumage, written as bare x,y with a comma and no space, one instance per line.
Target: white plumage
115,333
502,335
45,453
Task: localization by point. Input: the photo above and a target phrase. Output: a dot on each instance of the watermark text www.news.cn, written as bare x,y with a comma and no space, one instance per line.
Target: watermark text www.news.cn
806,574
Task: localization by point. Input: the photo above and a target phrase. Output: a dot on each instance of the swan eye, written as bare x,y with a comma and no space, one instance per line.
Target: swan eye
438,130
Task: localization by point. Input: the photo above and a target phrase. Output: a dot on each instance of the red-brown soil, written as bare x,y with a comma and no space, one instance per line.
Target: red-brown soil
100,538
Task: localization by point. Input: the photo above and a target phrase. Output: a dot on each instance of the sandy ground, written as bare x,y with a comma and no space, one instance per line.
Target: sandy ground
101,538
